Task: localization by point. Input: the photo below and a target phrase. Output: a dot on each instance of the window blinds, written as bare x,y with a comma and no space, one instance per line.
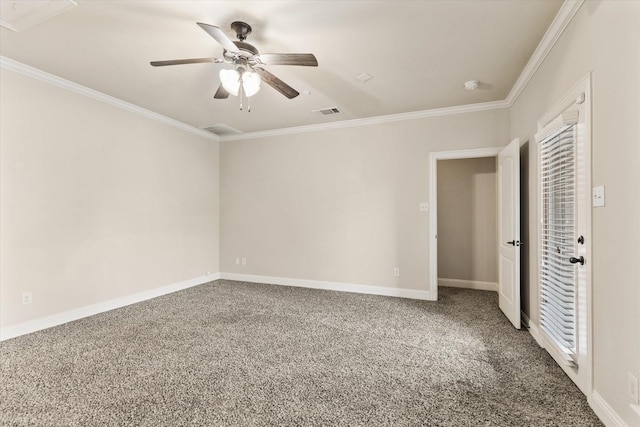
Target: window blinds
558,233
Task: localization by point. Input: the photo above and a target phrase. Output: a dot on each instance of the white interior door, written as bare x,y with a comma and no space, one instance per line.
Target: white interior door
509,231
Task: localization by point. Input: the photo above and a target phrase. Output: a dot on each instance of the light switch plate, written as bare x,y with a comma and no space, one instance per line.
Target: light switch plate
424,207
598,196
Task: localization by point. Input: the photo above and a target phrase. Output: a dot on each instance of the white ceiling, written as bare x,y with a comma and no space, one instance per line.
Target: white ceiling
419,53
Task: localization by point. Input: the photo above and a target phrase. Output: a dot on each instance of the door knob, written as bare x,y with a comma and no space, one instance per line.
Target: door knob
512,243
574,260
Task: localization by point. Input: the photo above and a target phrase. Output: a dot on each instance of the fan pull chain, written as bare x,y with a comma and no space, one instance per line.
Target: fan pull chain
242,96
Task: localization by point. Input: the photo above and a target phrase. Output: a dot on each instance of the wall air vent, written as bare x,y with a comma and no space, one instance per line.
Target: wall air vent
327,111
222,130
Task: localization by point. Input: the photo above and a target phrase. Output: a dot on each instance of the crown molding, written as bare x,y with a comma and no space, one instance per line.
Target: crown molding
562,19
26,70
558,25
560,22
447,111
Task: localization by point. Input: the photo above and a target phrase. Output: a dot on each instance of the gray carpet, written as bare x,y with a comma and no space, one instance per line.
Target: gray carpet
239,354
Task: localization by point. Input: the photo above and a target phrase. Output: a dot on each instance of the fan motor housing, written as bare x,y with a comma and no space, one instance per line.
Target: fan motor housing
246,47
247,53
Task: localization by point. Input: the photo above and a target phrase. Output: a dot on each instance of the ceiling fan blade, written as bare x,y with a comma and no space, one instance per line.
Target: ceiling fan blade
220,37
221,93
304,59
185,61
276,83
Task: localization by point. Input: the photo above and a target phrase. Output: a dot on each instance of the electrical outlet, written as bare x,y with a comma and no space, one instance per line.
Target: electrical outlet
26,298
244,261
633,389
238,261
396,272
424,207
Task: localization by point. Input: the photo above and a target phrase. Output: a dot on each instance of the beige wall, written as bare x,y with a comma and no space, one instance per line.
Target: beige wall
467,217
340,205
97,202
603,38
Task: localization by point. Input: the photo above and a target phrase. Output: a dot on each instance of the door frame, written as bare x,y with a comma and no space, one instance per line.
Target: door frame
433,203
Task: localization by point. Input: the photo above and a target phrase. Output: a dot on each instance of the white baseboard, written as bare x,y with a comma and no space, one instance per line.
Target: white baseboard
331,286
602,409
533,329
79,313
468,284
535,333
605,412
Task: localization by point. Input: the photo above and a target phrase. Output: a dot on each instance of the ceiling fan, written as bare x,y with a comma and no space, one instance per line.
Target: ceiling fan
248,64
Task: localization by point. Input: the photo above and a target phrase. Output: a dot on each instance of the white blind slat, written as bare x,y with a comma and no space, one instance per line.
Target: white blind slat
558,233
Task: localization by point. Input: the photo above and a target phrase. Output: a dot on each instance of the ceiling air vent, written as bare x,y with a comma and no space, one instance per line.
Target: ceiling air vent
19,15
222,130
327,111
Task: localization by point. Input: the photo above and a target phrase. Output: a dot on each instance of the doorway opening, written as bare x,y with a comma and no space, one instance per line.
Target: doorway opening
508,223
467,221
434,158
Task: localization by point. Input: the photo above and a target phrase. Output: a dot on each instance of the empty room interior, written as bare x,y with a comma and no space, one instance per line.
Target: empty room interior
320,213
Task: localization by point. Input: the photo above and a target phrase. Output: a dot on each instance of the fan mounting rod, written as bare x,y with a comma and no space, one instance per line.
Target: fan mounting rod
242,29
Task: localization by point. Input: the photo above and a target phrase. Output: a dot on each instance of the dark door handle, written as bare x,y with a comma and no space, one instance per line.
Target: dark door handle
574,260
512,243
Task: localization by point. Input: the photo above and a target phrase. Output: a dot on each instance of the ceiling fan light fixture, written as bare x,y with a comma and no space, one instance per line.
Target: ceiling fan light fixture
246,76
250,83
230,80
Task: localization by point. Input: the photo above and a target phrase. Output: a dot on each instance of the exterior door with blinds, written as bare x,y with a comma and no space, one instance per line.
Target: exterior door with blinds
558,235
564,239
